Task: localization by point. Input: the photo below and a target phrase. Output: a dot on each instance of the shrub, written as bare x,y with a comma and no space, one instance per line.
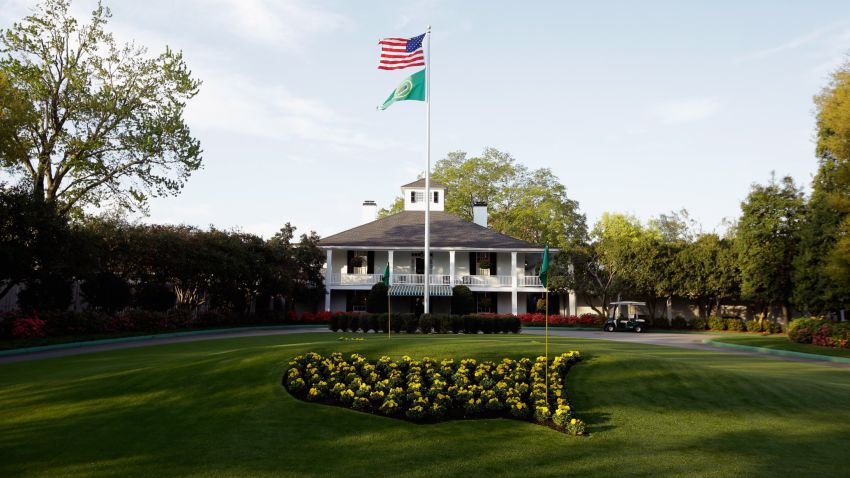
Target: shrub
698,323
376,302
46,293
152,296
106,291
426,324
470,324
411,323
443,323
679,322
333,324
753,325
463,301
716,323
734,324
457,323
28,328
660,323
824,333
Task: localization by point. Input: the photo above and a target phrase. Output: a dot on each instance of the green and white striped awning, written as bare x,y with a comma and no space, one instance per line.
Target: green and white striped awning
418,290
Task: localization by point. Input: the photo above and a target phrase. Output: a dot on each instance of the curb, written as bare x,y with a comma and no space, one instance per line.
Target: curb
559,327
138,338
780,352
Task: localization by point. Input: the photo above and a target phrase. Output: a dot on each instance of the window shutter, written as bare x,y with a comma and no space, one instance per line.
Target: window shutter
436,196
473,264
370,262
348,262
412,196
494,270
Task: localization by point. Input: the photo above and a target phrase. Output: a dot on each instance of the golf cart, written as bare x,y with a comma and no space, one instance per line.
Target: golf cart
629,321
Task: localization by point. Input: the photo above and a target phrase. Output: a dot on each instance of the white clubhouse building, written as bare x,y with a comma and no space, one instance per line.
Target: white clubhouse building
500,270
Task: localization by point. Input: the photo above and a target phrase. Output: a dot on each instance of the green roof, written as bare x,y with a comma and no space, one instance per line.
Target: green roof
416,290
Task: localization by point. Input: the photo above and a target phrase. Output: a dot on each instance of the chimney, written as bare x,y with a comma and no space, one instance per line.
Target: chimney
479,213
370,211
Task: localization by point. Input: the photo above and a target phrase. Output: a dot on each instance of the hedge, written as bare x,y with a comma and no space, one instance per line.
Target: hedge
426,324
428,390
825,333
20,325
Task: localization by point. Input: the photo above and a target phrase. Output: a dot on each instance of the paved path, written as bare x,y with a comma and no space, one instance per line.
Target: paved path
86,349
685,341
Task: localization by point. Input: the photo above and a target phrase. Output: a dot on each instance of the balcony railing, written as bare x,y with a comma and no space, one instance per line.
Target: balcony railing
436,279
486,281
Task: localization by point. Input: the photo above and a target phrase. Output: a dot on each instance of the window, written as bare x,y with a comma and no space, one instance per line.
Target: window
417,196
436,197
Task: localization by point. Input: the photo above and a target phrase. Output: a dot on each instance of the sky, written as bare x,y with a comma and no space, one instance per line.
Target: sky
638,107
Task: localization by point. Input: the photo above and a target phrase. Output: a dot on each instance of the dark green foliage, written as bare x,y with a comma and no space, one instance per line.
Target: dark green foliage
153,296
458,323
698,323
411,323
47,292
679,322
716,323
463,301
376,302
426,324
736,325
106,291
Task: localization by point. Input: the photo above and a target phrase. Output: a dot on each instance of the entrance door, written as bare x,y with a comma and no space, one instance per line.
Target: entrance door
420,265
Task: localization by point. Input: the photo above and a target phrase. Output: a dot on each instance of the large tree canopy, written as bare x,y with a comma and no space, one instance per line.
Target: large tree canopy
87,121
527,204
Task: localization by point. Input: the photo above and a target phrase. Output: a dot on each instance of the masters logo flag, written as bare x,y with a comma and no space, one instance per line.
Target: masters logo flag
544,268
412,88
386,277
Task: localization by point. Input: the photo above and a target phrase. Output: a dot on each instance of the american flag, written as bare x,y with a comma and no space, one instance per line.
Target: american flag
399,53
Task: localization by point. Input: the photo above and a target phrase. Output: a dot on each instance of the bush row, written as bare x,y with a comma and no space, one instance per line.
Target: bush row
825,333
17,325
585,320
718,324
425,324
428,390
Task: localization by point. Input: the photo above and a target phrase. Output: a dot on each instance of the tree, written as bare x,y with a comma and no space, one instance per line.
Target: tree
706,272
822,267
463,301
35,242
92,121
767,242
598,270
531,205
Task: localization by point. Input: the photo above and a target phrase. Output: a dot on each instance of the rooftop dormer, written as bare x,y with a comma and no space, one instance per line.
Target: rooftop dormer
414,196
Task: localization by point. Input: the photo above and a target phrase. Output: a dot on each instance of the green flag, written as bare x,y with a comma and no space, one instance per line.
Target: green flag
412,88
386,278
544,268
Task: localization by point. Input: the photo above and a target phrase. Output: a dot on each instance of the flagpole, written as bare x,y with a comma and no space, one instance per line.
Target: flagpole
389,315
427,301
547,338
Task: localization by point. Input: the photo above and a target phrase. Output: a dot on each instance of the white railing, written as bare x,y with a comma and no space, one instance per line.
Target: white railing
487,281
526,281
355,279
436,279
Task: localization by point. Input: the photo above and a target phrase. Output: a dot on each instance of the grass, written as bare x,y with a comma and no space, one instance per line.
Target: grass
216,408
781,342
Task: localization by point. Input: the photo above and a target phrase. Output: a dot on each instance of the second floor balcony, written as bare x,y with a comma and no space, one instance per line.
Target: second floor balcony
472,281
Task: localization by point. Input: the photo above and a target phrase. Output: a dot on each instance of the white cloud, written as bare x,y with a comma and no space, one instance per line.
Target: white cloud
236,104
793,44
284,23
688,110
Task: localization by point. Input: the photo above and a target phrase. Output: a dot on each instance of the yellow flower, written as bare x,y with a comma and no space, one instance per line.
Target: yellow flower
573,421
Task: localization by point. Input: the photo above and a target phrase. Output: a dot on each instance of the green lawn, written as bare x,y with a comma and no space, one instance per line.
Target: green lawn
216,408
781,342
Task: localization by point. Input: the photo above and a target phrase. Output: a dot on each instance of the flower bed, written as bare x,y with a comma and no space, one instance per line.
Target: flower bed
428,390
584,320
824,333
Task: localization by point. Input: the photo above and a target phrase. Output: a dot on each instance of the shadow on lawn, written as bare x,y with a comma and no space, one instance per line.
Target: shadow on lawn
217,410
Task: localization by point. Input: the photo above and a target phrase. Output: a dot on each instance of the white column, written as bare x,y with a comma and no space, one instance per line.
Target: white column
329,273
514,284
669,310
390,260
573,305
452,268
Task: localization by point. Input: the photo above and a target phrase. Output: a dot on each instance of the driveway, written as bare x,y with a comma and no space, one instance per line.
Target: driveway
680,340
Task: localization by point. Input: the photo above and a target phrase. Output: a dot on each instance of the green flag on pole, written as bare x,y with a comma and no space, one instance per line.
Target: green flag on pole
544,268
386,277
412,88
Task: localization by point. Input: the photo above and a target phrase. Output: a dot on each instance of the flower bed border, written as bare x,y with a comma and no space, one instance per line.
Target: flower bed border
430,391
